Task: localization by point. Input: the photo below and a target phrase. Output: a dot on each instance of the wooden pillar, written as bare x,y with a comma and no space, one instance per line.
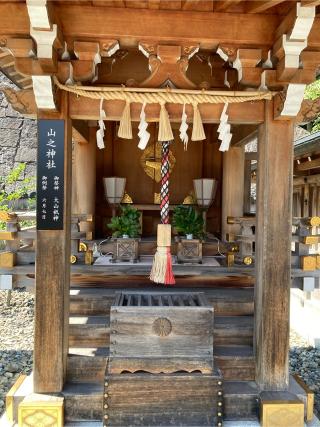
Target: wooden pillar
273,256
306,201
232,188
84,177
52,283
247,186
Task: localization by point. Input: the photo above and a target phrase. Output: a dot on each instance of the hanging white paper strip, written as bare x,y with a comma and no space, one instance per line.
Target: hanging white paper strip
143,134
100,131
183,128
224,130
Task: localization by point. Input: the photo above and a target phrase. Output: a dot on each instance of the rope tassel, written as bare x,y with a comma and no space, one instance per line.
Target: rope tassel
125,128
161,271
165,131
197,130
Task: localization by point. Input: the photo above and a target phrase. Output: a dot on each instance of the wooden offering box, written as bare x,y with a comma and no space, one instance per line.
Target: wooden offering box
189,251
161,332
125,249
179,399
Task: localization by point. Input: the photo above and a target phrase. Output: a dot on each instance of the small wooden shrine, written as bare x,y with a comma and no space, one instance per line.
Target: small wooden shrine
161,93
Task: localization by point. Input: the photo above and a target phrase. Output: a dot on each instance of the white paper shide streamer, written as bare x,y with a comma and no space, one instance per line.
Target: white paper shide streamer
102,128
143,134
183,128
224,130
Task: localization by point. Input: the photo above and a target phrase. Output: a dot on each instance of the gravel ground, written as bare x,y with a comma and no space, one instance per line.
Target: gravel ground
305,361
16,342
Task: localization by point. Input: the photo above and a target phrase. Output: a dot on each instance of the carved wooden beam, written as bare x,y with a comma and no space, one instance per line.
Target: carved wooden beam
261,6
168,65
22,101
81,108
309,111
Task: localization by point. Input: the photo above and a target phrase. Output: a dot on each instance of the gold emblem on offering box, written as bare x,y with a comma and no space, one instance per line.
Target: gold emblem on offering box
162,326
151,161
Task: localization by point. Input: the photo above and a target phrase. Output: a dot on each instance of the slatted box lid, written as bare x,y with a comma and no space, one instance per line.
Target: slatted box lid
161,332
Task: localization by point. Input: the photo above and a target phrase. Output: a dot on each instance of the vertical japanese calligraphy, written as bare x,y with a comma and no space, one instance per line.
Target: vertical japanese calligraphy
50,175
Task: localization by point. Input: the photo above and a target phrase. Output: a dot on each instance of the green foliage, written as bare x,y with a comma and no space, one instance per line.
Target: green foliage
127,223
20,186
316,125
186,220
313,90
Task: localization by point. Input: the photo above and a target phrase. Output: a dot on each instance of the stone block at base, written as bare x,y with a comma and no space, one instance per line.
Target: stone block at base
281,409
41,410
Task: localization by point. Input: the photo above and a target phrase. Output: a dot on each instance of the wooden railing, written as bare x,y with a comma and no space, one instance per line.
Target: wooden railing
20,242
305,248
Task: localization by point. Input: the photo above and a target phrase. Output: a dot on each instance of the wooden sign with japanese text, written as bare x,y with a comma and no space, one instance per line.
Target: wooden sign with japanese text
50,175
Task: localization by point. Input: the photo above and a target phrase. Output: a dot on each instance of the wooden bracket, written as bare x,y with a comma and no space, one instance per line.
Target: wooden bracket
88,54
46,53
43,92
21,48
65,72
288,54
292,37
303,23
288,103
168,65
108,47
246,63
38,14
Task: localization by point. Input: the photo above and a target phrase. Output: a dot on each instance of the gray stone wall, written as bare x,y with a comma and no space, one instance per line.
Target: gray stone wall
18,137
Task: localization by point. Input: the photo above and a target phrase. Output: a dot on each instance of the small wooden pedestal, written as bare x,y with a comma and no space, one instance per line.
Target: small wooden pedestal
125,249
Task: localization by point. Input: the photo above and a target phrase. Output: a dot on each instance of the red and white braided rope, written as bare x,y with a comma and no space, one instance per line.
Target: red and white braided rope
164,191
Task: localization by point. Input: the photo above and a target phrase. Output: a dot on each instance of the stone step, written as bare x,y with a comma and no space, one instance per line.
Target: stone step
235,362
233,330
226,301
83,401
240,400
